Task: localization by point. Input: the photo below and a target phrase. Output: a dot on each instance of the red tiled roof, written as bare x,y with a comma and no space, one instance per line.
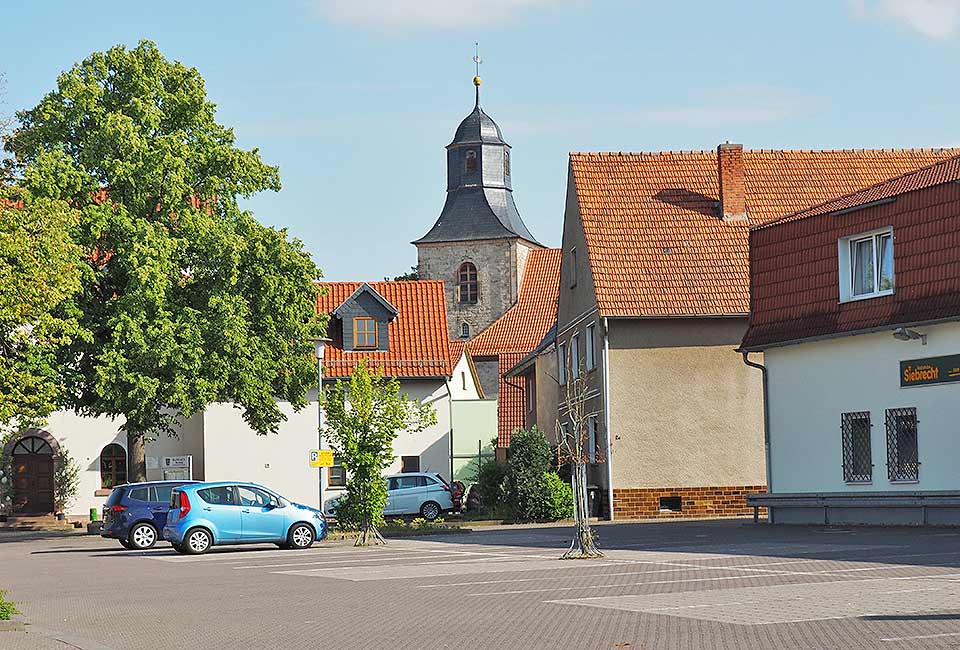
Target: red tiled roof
795,275
655,242
418,341
522,327
509,400
945,171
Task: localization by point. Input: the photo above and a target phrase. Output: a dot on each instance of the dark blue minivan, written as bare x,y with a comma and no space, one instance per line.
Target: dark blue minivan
135,512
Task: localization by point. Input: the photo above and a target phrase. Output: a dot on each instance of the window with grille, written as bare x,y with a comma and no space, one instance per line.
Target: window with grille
903,463
467,284
364,333
857,460
113,466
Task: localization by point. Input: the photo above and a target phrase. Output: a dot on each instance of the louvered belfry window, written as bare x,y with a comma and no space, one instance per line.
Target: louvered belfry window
903,461
857,459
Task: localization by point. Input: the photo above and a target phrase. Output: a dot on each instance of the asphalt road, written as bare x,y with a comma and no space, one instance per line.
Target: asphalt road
673,585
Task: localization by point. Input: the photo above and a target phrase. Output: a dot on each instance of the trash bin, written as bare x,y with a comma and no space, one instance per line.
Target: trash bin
593,500
94,515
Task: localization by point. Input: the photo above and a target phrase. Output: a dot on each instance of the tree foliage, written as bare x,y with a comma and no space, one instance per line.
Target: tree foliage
363,418
532,490
186,299
39,272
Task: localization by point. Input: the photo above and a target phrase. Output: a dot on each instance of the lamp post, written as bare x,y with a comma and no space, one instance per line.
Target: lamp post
319,346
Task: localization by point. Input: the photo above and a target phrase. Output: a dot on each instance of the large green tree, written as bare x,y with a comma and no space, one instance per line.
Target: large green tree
363,418
186,299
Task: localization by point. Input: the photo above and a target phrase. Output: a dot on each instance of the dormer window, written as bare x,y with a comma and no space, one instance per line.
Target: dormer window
471,160
506,162
468,287
866,265
365,333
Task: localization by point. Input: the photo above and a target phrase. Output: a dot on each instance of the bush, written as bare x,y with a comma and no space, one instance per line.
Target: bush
490,481
533,491
7,608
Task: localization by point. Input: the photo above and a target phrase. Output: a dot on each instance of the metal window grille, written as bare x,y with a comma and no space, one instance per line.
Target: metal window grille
857,459
903,463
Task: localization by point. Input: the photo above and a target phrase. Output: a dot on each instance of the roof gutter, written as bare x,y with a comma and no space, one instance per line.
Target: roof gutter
766,415
838,335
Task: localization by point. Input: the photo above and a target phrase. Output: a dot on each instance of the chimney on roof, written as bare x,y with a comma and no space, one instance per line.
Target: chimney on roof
733,199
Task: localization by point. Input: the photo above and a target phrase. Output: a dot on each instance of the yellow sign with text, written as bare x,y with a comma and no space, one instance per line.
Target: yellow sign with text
321,458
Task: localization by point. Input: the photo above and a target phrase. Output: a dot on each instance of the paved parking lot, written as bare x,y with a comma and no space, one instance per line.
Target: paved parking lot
666,585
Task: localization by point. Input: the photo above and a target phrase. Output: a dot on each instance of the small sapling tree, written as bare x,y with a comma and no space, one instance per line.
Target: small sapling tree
363,418
576,449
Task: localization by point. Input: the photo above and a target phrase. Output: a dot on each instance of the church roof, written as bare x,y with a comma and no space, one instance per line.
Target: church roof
656,243
477,128
472,213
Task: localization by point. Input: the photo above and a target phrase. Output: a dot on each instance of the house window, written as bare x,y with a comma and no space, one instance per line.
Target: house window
855,435
463,380
866,265
592,439
671,504
591,343
467,285
573,267
903,462
409,464
364,333
113,466
562,364
529,388
506,162
336,474
575,355
465,330
471,160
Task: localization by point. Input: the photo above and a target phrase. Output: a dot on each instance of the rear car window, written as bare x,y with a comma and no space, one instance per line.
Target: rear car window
139,494
222,495
161,493
115,497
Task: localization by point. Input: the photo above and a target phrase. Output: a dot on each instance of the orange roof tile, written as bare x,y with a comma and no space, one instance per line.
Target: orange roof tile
418,335
522,327
655,242
509,400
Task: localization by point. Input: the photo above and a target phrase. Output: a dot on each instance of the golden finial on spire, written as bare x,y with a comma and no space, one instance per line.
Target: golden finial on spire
476,59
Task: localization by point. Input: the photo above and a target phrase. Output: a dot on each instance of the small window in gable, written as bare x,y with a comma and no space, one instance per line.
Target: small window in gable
866,265
468,287
471,160
365,333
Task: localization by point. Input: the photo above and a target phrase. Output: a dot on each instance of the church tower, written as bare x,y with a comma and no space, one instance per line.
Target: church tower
479,245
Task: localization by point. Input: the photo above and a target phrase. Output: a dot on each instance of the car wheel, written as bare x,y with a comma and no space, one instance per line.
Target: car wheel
430,510
300,536
197,541
124,543
142,537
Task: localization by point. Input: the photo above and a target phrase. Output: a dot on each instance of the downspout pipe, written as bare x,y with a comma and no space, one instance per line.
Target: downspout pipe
766,414
446,384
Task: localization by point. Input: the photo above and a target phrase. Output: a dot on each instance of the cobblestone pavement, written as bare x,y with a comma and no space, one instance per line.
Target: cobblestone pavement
674,585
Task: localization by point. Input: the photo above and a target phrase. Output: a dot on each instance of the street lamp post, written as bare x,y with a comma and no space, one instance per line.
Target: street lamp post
319,346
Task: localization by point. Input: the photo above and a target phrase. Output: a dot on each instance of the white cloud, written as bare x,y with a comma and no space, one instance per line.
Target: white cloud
422,15
938,19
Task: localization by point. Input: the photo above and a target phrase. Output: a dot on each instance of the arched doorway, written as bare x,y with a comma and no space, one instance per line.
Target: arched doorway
33,468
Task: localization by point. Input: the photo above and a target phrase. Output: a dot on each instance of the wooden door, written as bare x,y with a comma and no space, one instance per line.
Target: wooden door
33,483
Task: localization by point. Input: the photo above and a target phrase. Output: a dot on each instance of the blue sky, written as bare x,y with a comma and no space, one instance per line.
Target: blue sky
356,99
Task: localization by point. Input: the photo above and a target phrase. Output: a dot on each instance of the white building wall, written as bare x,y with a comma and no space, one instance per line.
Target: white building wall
812,383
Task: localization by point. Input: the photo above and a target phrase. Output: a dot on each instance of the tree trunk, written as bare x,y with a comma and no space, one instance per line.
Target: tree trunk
369,535
136,458
583,544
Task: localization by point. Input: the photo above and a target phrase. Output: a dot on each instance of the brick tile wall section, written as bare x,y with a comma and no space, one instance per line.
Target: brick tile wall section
644,503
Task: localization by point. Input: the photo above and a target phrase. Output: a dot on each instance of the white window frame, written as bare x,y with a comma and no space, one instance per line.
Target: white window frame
575,354
591,350
847,259
592,439
562,363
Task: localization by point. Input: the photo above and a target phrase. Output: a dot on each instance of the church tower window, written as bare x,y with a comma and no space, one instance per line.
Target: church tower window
471,160
506,162
467,284
465,330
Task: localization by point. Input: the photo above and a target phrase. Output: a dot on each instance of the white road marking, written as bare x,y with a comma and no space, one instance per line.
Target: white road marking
338,562
921,636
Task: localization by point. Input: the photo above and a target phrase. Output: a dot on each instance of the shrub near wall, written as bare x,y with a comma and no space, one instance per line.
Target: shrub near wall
533,491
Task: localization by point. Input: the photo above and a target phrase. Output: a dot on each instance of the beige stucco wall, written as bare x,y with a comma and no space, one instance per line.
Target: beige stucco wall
684,409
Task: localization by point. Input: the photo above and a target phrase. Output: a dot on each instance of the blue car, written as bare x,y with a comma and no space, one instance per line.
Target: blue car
203,515
135,513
